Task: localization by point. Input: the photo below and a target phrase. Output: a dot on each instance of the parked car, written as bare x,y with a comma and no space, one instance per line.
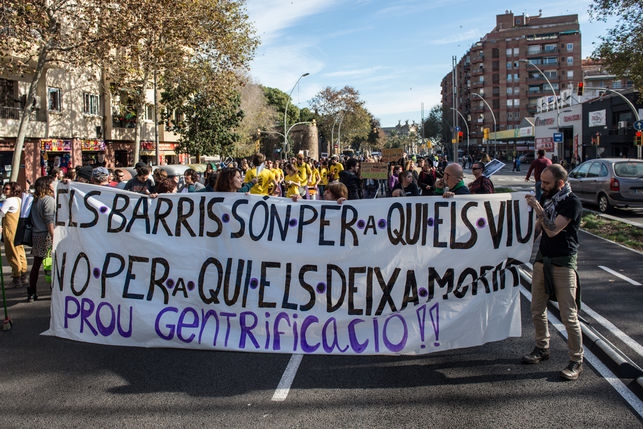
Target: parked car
609,182
527,158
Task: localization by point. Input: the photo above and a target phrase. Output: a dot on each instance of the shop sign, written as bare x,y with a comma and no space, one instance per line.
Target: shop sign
55,145
92,145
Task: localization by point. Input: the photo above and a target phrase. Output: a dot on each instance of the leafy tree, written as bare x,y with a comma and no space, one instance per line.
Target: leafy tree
278,99
204,126
35,37
621,49
258,115
341,113
433,125
129,40
189,39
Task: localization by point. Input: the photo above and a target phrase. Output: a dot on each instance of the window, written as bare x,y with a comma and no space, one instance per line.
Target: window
510,90
509,77
617,84
570,61
54,103
570,47
516,52
510,102
509,65
533,49
516,102
149,112
551,74
550,60
90,104
570,74
550,48
8,92
508,52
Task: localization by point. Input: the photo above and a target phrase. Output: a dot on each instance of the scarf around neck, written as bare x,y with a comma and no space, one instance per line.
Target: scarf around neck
552,203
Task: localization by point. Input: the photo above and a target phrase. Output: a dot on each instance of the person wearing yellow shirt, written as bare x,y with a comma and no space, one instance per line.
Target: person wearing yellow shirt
292,181
279,175
334,169
265,178
303,168
313,181
323,176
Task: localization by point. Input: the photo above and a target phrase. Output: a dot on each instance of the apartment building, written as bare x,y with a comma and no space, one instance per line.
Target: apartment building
498,83
75,120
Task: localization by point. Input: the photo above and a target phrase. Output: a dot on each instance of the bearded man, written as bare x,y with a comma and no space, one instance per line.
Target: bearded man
558,216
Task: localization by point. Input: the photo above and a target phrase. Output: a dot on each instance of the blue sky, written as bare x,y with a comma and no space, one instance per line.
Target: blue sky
395,53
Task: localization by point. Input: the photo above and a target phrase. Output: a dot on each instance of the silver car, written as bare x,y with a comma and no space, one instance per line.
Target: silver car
609,182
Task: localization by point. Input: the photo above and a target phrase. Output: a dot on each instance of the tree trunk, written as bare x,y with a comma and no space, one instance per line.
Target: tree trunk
26,110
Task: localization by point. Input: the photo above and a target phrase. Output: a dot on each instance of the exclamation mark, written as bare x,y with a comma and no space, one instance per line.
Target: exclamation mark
421,315
435,320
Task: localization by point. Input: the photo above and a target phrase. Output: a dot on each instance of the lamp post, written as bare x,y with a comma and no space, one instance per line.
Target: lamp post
494,121
260,131
332,133
522,60
465,124
286,112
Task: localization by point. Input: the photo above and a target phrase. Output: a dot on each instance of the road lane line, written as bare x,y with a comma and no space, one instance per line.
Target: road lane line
619,275
638,348
596,363
287,378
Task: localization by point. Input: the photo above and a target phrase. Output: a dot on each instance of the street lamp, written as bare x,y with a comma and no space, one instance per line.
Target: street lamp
494,120
260,131
466,125
286,112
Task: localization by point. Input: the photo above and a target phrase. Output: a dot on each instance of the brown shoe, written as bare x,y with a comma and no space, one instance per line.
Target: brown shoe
536,356
572,371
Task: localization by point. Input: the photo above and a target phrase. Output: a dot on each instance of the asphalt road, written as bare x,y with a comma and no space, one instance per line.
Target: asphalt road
50,382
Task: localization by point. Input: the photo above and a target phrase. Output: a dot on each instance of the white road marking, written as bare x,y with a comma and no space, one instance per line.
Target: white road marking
638,348
619,275
287,378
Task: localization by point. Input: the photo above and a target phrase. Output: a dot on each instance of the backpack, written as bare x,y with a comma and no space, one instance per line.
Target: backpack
24,229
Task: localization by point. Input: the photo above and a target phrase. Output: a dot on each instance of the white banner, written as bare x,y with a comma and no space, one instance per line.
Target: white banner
230,271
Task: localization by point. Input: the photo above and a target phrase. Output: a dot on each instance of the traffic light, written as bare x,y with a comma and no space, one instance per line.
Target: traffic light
579,91
460,135
485,133
638,138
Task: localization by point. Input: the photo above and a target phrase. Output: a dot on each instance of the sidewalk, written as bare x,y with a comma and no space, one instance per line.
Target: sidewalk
15,296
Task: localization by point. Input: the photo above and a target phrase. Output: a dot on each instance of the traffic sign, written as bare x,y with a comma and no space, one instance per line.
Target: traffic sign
558,137
638,125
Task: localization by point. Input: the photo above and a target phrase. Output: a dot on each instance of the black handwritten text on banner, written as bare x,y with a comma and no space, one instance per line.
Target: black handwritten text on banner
242,272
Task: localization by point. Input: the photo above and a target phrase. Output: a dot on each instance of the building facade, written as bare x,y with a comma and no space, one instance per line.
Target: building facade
75,121
501,79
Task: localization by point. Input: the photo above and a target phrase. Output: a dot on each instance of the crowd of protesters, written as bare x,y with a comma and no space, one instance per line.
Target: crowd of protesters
304,177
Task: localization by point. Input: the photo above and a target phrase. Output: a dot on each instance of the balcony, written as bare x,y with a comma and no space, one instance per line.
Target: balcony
10,112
